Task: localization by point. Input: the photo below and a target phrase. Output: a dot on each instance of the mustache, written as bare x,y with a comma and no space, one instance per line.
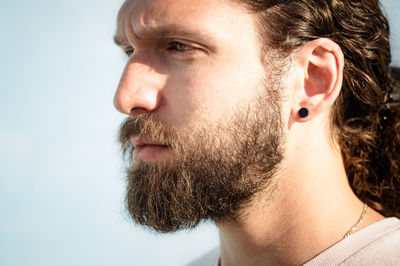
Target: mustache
147,127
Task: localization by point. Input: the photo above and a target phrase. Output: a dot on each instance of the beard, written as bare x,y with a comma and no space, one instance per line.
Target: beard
216,172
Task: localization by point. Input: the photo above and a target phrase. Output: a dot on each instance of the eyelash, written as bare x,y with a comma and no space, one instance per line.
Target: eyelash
179,47
129,51
173,47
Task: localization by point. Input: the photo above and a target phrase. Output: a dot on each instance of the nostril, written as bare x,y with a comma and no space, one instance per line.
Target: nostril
138,110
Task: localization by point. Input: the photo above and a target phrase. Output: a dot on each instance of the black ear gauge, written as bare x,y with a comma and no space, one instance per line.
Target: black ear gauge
303,112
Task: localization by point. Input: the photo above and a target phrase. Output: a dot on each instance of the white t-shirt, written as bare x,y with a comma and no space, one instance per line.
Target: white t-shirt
376,244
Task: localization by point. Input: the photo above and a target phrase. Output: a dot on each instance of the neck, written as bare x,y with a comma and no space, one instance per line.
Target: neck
312,209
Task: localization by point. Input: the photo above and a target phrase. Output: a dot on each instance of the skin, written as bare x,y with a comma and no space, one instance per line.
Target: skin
192,79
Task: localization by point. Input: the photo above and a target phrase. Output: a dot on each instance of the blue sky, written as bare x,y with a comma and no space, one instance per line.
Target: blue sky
61,183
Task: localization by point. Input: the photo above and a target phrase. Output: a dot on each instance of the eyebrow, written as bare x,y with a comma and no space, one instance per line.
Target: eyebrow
166,31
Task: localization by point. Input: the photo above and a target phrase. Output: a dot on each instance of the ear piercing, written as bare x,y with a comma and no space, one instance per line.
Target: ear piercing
303,112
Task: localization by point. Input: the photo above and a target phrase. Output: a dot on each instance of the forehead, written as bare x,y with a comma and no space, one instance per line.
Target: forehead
141,17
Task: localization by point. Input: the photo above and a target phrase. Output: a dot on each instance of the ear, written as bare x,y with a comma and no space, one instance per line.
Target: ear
319,76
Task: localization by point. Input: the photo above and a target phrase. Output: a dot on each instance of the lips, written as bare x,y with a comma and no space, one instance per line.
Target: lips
138,142
144,150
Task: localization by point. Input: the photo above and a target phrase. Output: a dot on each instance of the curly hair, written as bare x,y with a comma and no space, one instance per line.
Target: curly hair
365,117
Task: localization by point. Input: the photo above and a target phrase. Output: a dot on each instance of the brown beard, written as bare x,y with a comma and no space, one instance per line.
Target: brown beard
215,174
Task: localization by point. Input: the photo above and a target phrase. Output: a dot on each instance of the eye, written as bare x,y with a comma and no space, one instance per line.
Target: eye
179,47
129,51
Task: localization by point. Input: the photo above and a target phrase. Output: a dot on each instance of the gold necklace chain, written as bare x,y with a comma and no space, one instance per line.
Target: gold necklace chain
360,220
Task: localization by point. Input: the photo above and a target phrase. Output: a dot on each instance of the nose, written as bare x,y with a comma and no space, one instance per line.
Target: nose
138,90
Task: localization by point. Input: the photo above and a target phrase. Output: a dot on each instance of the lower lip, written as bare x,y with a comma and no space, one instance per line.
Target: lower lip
150,152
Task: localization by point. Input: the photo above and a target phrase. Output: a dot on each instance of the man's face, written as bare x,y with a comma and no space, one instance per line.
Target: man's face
204,132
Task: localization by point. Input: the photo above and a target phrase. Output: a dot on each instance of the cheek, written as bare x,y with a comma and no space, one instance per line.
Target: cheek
223,91
207,92
205,95
180,99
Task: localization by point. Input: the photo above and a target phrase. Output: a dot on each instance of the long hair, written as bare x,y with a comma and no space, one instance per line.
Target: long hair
365,117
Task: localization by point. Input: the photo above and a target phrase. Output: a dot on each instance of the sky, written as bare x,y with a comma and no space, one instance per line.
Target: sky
61,173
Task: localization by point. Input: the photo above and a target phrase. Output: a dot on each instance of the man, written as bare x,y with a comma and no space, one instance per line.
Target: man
276,119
